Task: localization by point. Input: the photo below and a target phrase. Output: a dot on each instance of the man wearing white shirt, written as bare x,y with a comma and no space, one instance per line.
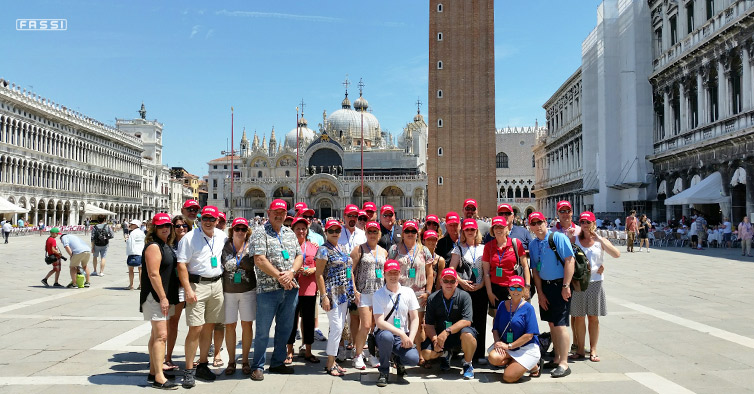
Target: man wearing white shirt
727,232
397,319
351,236
200,271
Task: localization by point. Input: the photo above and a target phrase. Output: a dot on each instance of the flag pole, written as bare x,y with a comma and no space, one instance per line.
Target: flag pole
298,150
232,153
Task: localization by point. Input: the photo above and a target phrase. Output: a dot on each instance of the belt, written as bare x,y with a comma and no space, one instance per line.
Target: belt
554,281
198,278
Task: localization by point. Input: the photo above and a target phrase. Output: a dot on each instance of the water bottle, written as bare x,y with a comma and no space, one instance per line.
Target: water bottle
80,278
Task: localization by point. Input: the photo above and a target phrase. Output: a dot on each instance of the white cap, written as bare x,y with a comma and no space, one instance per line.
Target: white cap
136,222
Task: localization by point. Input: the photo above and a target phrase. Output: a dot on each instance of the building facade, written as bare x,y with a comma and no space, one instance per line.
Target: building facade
461,149
329,174
703,93
54,160
514,168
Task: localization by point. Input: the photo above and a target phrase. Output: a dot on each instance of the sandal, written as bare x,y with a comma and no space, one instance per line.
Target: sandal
312,359
538,372
288,360
594,358
340,369
169,366
218,362
246,369
576,356
334,371
231,368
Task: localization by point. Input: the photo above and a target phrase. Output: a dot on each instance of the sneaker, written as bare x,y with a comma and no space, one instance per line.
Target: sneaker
44,282
468,372
373,361
94,273
400,369
203,372
382,380
71,286
188,379
358,362
647,250
445,361
87,284
101,274
319,336
481,361
57,285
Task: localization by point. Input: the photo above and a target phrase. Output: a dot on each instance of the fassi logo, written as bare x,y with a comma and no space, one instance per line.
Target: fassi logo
42,24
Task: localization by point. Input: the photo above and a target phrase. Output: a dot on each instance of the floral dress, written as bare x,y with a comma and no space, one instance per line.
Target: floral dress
338,282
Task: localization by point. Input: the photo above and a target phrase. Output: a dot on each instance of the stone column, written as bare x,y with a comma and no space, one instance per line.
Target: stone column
682,107
722,90
667,119
701,100
745,78
686,182
749,167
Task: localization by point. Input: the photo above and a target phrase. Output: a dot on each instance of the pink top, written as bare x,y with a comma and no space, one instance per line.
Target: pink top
307,283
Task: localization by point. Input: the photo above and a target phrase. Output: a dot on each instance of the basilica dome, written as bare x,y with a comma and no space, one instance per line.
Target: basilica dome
348,121
306,135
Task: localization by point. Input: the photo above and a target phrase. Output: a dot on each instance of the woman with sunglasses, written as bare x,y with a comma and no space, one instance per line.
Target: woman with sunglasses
592,302
416,270
432,223
499,261
159,294
368,261
307,292
239,293
181,227
515,332
468,252
336,289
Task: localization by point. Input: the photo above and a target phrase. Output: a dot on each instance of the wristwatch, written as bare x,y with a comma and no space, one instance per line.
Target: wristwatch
448,331
566,285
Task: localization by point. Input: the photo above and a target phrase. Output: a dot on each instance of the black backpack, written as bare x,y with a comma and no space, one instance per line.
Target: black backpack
100,236
582,272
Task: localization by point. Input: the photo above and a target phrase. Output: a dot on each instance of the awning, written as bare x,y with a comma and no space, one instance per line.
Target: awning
92,210
678,186
663,188
738,177
9,207
707,191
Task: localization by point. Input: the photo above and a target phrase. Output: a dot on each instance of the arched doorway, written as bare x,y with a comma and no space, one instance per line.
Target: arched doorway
253,203
323,194
284,193
325,208
356,197
393,195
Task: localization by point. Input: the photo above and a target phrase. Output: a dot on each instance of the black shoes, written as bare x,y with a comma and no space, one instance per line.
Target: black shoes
204,373
382,380
282,369
560,372
188,379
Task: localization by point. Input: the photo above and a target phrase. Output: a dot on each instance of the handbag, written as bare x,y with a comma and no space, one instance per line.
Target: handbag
50,258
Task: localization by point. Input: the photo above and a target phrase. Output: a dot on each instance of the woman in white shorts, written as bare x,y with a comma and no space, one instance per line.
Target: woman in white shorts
159,293
239,290
368,261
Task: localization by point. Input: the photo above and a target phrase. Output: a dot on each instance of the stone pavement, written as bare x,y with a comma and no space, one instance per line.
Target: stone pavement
679,321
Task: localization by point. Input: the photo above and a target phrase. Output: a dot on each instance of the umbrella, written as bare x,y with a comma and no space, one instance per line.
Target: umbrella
9,207
91,210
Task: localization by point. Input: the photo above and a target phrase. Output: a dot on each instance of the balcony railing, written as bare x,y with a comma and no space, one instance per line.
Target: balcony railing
728,125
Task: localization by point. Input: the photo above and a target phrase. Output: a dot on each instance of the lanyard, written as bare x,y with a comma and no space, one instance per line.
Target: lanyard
211,247
392,231
448,308
303,250
235,253
337,249
473,252
349,238
512,311
411,259
371,252
499,254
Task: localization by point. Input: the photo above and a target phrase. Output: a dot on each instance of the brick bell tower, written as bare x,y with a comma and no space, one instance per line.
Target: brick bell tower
461,146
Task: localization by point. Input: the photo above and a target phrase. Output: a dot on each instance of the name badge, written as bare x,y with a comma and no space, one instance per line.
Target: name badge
237,277
447,324
508,337
397,322
285,254
378,273
213,261
499,272
348,272
476,272
412,272
539,266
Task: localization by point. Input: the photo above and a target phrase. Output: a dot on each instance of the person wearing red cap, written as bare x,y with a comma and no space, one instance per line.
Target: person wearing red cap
239,290
159,294
448,324
499,261
190,211
200,270
565,223
362,220
592,302
470,212
180,229
430,238
391,232
553,282
336,289
397,320
219,330
351,236
368,261
371,209
277,258
516,335
514,231
221,221
307,293
448,241
467,260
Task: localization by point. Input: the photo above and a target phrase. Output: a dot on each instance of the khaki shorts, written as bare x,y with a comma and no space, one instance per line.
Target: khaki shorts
152,311
81,259
209,305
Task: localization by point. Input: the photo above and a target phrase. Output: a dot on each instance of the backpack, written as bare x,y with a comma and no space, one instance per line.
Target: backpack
100,236
582,272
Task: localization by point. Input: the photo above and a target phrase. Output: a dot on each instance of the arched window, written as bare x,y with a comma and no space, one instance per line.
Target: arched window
439,8
526,192
259,174
532,161
439,64
439,93
518,192
287,174
501,160
439,180
439,151
439,36
510,192
439,122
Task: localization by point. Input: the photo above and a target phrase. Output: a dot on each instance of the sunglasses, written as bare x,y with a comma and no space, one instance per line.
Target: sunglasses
193,209
505,213
470,209
387,215
208,219
162,226
448,281
433,224
564,211
308,217
240,229
363,219
352,216
373,232
184,225
515,288
333,231
537,223
584,222
409,231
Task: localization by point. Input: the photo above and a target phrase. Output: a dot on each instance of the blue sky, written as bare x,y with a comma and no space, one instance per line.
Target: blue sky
191,61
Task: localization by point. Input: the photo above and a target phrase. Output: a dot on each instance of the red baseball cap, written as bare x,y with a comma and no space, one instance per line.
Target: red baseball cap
278,204
371,225
211,211
289,218
469,201
452,217
239,221
432,218
299,219
386,208
499,221
333,223
430,234
392,265
363,213
536,216
306,212
504,207
190,203
449,272
350,208
370,206
410,224
586,215
299,206
221,215
516,280
470,223
564,203
160,218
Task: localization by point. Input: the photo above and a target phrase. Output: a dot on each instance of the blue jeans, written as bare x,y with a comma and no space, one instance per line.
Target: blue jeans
280,305
390,345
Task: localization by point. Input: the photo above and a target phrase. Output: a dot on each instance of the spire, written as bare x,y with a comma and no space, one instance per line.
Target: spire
418,116
346,103
361,103
143,111
243,137
272,135
255,143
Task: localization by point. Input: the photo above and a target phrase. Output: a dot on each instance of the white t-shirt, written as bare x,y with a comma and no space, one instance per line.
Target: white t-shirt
692,229
351,239
596,256
196,250
728,228
135,242
7,227
383,300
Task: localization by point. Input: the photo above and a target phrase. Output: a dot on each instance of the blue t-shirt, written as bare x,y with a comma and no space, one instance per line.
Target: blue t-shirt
75,243
315,238
524,321
543,258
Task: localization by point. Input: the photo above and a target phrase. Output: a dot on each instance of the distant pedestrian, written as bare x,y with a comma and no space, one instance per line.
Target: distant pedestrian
41,227
644,229
701,228
745,233
7,228
101,236
51,249
727,232
632,230
124,226
134,248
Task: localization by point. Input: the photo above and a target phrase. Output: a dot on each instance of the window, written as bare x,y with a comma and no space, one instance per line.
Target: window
710,9
673,30
439,36
689,17
214,183
439,93
259,174
225,167
439,65
287,174
532,161
235,167
439,151
439,8
439,122
439,180
214,196
501,160
658,42
214,167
